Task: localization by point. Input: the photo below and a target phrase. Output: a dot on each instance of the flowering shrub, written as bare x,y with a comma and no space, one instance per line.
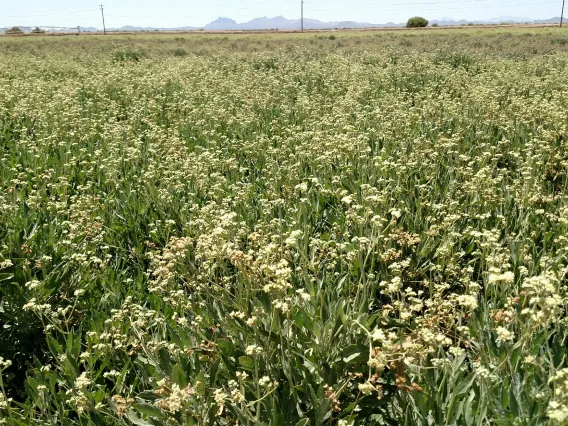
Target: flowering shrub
287,237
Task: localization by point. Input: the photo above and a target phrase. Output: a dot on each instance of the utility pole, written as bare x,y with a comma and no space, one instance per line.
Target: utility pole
562,15
103,14
302,16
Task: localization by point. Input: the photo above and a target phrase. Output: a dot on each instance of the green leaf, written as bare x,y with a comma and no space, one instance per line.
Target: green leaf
304,320
349,408
97,419
31,388
353,354
199,384
513,405
137,420
178,376
149,410
468,409
54,346
148,395
351,359
341,312
464,386
6,277
246,362
226,347
164,361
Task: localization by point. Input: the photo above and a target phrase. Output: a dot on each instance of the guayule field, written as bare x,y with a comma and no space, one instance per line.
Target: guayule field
364,228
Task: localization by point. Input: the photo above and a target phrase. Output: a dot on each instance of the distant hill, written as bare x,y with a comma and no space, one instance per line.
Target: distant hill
501,20
221,24
130,28
548,21
281,23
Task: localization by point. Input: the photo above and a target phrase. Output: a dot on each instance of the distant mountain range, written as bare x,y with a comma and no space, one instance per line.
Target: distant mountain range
281,23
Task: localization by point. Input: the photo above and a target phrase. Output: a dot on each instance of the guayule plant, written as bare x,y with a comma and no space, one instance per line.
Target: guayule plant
309,235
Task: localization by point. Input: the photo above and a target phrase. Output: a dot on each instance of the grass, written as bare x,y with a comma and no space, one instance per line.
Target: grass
284,229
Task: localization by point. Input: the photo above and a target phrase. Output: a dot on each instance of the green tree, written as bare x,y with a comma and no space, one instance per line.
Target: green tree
417,22
14,30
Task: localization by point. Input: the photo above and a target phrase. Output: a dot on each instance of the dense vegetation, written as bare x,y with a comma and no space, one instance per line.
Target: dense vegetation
284,230
417,22
14,31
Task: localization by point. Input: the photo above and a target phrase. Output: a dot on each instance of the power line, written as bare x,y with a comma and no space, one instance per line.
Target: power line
51,13
425,3
240,15
562,15
470,7
441,3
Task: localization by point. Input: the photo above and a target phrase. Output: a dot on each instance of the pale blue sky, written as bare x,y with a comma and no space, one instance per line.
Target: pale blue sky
175,13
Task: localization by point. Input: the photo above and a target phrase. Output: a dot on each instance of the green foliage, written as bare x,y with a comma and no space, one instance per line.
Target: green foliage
14,31
417,22
123,56
179,52
266,64
302,235
457,60
560,40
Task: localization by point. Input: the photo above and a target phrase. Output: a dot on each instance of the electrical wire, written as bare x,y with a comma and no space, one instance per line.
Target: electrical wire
52,13
475,7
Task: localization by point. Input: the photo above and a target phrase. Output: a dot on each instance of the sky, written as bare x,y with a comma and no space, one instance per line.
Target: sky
177,13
